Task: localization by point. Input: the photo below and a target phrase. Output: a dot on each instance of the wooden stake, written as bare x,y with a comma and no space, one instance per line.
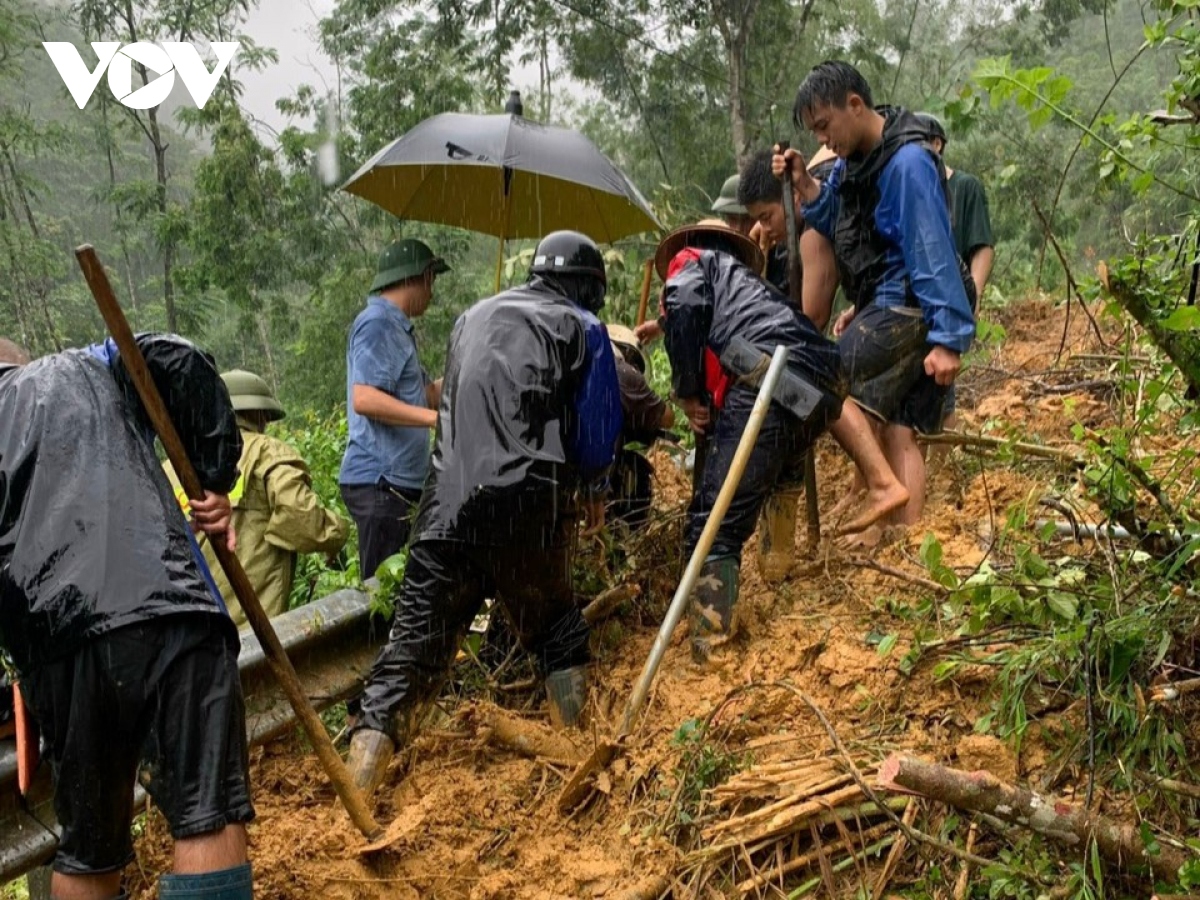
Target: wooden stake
277,658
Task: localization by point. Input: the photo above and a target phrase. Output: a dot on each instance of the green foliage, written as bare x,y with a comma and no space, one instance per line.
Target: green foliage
702,766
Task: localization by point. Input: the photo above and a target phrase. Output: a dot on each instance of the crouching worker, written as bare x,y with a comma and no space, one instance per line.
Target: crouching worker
713,303
125,653
276,513
647,416
530,413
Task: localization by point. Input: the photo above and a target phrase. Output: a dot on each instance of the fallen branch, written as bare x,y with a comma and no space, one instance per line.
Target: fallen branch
1020,447
928,583
1063,823
604,604
1179,787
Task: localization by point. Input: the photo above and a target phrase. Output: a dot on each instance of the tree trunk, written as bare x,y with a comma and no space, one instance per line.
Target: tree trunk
118,218
1183,347
735,34
1073,826
168,244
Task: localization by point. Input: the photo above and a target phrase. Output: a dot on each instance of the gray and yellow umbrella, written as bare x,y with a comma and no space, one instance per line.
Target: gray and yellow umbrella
503,175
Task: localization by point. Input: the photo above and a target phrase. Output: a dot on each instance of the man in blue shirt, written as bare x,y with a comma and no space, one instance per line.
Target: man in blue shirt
531,417
390,402
885,209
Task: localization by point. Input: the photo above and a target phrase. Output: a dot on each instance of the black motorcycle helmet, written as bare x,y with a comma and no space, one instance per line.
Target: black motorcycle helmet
572,262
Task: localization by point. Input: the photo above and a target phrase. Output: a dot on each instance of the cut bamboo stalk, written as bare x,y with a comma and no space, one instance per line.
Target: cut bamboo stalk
897,851
773,809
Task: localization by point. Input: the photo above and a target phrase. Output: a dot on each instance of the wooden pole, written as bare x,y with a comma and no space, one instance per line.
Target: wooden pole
795,274
644,300
277,658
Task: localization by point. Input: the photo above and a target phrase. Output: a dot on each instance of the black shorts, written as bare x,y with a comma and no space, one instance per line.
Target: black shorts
883,354
383,514
165,694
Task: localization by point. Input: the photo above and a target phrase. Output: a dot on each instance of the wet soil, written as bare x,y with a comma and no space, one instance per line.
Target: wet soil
481,821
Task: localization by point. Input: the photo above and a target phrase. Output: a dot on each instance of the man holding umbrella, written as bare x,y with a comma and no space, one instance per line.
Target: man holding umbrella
390,404
531,413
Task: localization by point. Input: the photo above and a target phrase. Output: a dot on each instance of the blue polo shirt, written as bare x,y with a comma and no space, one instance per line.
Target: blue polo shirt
382,354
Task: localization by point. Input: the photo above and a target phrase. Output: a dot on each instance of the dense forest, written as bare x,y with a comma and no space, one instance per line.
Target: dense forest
217,228
1042,605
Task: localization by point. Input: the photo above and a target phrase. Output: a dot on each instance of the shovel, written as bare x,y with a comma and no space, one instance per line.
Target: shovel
579,785
277,658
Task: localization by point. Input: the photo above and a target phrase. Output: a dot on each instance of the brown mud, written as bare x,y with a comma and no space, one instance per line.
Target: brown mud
475,820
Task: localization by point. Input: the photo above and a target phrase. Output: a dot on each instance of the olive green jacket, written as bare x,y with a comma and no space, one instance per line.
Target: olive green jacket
276,515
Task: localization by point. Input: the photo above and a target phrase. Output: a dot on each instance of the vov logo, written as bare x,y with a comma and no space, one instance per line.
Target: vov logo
165,59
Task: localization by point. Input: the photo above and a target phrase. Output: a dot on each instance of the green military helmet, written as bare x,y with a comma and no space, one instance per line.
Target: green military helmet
250,393
726,203
403,260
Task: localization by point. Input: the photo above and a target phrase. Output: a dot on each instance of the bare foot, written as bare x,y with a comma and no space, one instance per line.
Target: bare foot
879,502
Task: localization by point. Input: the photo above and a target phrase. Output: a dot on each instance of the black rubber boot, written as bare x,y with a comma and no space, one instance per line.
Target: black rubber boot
566,690
713,600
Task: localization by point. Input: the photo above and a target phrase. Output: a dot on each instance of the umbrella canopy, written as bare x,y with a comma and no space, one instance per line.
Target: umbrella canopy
503,175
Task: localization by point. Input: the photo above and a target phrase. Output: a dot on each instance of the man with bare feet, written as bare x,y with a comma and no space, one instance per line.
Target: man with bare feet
884,207
712,297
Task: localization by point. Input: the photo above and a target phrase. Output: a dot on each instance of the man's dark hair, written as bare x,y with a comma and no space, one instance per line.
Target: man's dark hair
12,354
757,183
829,84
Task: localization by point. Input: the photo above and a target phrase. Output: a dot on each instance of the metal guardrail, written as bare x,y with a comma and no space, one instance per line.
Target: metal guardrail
332,646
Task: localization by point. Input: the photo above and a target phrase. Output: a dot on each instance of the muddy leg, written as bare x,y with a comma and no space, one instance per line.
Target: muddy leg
885,492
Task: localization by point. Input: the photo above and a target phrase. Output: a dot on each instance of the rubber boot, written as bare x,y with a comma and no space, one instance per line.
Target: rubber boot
713,600
370,753
566,690
227,884
777,535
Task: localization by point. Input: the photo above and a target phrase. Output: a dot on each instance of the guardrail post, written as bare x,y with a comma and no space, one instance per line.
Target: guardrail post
37,883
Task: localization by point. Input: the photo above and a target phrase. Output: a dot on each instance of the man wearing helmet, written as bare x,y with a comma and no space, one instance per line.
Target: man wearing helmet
530,414
276,514
390,404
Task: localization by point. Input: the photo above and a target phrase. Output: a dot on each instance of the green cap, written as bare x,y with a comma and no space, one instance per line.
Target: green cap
250,393
403,260
726,203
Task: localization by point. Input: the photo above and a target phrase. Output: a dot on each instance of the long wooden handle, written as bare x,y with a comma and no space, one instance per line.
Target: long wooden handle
795,276
277,658
793,235
732,479
644,300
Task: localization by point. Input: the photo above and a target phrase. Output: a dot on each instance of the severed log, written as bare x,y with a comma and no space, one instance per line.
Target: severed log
1073,826
524,737
606,602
